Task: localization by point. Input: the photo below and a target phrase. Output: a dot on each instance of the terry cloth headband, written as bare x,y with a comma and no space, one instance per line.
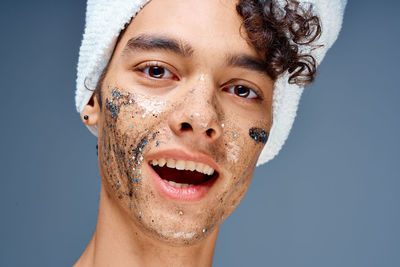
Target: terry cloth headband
106,18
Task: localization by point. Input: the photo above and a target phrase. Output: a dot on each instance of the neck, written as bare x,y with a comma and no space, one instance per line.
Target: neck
118,242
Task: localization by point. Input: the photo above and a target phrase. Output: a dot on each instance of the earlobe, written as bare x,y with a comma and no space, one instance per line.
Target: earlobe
91,111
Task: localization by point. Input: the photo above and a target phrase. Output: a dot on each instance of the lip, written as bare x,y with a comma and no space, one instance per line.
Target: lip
189,194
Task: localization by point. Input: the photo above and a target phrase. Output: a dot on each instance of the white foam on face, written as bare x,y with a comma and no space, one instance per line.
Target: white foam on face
203,125
202,77
173,234
151,106
185,235
233,152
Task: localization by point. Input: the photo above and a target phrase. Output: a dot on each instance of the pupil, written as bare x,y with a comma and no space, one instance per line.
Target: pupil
156,72
242,91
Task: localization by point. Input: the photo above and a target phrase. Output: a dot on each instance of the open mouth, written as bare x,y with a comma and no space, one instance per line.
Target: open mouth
182,173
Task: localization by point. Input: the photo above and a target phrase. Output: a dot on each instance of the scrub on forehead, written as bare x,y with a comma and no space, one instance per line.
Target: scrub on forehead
199,105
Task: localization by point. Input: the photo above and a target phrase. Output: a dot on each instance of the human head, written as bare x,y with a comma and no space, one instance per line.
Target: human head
105,19
193,109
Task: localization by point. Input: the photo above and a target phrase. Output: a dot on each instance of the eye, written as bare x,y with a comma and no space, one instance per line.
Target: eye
157,72
242,91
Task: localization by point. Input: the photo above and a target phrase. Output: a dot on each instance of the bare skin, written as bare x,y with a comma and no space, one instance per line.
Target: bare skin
197,99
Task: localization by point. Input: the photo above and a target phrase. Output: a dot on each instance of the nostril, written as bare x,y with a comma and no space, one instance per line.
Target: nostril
210,132
186,127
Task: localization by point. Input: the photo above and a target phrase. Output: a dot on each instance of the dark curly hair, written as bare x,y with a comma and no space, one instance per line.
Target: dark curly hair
278,32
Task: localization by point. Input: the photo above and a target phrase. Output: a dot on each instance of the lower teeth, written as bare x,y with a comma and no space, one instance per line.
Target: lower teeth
178,185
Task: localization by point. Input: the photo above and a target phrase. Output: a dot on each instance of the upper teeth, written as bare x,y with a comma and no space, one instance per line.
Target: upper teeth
183,165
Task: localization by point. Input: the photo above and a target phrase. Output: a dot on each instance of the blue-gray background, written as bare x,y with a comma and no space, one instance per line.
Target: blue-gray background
331,198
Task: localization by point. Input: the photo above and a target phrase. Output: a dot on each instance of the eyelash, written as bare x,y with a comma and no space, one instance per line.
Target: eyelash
146,68
253,93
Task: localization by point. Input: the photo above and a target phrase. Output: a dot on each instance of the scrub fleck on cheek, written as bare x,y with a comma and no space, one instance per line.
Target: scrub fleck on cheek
259,135
117,100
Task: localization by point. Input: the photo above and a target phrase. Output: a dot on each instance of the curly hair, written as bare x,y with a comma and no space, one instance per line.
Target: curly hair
278,32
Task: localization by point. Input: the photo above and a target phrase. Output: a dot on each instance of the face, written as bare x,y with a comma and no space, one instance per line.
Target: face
186,111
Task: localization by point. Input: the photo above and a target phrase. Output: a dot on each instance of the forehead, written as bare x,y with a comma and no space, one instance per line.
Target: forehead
210,26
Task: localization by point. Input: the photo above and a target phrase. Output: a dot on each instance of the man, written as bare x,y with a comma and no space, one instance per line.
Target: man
186,99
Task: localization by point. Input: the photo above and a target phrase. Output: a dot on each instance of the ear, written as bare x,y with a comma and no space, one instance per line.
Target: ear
91,112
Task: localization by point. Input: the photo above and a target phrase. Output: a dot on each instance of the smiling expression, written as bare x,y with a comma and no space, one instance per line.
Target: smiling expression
186,110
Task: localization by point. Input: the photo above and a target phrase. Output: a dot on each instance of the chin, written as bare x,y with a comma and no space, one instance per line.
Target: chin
174,229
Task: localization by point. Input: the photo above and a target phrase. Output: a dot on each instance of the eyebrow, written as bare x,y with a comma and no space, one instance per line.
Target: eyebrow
248,62
148,42
157,42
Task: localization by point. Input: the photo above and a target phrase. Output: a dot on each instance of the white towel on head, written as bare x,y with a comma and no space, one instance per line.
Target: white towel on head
105,19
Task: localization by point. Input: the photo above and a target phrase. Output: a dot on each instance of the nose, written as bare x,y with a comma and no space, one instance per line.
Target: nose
197,119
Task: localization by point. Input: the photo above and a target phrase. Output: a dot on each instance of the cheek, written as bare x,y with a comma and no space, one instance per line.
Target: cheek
243,142
126,131
244,132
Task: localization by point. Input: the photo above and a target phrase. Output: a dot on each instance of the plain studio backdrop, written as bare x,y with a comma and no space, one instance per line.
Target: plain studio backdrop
330,198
